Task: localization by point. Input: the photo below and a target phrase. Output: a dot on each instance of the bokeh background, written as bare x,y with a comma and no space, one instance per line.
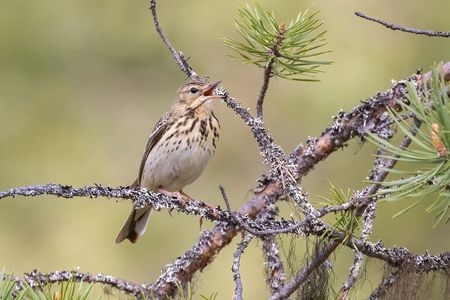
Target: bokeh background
83,82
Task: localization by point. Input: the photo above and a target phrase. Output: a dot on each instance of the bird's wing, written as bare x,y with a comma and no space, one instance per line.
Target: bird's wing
155,136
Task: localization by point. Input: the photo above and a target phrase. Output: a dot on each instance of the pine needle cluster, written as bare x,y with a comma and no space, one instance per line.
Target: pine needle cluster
290,48
424,174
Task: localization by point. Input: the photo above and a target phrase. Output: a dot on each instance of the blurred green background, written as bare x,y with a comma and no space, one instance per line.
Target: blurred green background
83,82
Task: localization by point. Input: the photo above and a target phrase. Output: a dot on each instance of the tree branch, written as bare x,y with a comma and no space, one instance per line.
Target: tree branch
402,28
235,267
274,268
275,275
263,90
385,284
140,198
369,216
272,153
37,279
398,256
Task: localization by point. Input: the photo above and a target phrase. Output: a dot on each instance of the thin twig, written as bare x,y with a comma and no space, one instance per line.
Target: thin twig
296,228
178,56
369,216
244,222
354,272
402,28
263,90
275,275
225,198
235,268
233,215
275,52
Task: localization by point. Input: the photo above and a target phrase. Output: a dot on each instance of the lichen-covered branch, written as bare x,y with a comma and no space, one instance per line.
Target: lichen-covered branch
275,274
140,198
272,153
195,259
274,268
236,263
37,279
369,216
385,284
397,256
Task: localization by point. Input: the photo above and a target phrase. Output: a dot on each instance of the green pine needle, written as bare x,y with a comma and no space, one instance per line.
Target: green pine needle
290,47
425,172
346,221
70,290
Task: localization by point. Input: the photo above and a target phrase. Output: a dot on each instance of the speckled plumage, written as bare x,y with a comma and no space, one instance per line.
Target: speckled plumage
177,151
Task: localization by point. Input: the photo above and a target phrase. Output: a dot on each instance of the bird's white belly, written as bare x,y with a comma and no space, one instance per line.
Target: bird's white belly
173,166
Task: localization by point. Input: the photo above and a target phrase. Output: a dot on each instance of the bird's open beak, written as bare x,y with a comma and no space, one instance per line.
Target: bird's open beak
209,89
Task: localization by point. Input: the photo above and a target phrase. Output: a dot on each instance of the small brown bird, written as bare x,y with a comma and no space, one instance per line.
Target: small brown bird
177,150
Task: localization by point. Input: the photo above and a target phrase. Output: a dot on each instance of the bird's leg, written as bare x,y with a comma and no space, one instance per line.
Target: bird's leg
190,198
185,195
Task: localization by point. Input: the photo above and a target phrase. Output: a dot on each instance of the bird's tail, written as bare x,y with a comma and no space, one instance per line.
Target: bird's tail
135,225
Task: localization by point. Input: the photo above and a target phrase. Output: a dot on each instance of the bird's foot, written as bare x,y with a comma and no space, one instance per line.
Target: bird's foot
180,195
171,194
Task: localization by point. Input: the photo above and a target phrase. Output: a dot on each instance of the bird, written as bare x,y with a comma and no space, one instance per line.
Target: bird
177,151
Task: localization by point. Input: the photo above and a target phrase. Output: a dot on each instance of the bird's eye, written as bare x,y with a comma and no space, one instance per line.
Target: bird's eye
193,90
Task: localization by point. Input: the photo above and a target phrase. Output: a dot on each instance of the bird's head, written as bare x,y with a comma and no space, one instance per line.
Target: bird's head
196,93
